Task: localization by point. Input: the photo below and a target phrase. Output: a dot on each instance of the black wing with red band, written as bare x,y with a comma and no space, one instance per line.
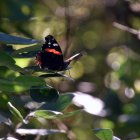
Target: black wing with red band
51,44
51,56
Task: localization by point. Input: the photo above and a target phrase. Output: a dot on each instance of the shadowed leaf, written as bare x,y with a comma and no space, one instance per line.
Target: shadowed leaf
30,80
8,61
44,94
27,49
62,103
10,39
20,84
26,54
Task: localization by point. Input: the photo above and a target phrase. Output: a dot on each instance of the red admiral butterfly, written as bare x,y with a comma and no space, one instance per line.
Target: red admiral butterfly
51,56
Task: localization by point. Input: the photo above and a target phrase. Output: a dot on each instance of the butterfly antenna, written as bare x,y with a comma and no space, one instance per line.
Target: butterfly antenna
75,57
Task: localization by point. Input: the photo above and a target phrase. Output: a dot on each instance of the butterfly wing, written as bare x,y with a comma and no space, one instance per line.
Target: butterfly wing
51,56
51,43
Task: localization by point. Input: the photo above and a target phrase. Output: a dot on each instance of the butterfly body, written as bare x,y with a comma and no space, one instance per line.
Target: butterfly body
51,56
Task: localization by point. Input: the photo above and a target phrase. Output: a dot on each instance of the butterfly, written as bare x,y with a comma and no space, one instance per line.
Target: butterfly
51,56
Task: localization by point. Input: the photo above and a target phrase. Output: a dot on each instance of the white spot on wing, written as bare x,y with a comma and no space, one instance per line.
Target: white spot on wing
55,44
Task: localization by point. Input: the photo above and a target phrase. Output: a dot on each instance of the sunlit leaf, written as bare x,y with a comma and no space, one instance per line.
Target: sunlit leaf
15,112
10,39
104,134
47,114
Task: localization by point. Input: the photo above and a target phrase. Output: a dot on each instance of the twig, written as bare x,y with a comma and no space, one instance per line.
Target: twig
62,126
125,28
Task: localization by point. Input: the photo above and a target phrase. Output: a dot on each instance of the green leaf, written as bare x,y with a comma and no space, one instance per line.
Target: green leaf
11,86
27,49
30,80
69,114
18,69
33,68
15,112
20,84
56,74
61,104
47,114
26,54
104,134
64,101
44,94
10,39
8,61
38,69
49,75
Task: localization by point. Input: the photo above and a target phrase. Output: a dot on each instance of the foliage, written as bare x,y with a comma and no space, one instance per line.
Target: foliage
38,103
52,103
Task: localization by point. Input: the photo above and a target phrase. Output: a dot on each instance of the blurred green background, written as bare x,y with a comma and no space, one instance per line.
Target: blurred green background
110,70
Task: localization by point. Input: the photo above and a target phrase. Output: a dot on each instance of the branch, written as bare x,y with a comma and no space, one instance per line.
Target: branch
126,28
